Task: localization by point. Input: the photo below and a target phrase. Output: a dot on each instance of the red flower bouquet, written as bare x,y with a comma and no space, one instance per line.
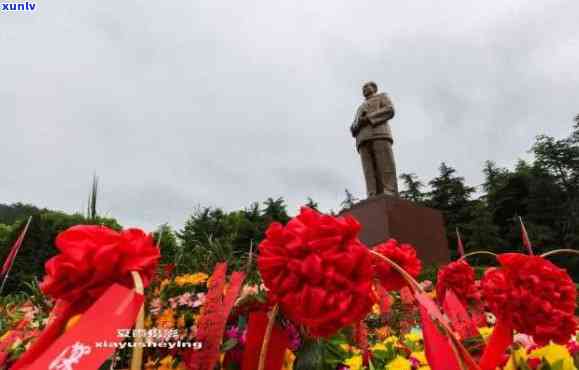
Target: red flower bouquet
402,254
317,271
93,257
534,295
458,276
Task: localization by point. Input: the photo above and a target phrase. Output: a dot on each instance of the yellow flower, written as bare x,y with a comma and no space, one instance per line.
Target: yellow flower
376,309
424,368
166,320
383,332
348,348
181,366
164,283
413,337
420,357
192,279
399,363
148,322
518,357
166,363
485,332
391,339
553,353
181,322
378,347
345,346
355,362
150,365
288,361
5,335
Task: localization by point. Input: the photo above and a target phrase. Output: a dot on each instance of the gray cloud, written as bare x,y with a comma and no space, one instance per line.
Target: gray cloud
222,103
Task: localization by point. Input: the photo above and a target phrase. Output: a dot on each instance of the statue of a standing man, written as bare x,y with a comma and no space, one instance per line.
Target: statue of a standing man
374,141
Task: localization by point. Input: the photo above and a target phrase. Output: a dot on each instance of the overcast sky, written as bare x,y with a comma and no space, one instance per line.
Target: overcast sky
178,103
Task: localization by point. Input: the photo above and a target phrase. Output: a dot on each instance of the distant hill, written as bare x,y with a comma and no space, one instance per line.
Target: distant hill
10,213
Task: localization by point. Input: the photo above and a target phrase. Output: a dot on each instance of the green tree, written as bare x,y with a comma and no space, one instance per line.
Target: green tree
166,238
38,246
413,188
275,210
312,204
558,163
452,197
349,201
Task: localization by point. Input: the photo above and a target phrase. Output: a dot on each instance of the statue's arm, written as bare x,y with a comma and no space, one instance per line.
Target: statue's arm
358,122
382,114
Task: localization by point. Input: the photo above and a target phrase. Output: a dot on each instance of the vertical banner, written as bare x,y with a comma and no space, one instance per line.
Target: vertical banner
211,324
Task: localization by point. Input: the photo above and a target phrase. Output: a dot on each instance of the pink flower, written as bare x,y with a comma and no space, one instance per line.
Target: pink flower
199,301
155,306
572,347
233,332
173,302
185,299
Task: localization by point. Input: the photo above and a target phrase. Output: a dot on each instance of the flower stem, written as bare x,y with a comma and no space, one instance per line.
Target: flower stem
267,337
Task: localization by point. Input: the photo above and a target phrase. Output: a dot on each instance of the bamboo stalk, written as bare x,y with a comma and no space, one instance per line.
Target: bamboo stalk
477,253
137,356
557,251
266,338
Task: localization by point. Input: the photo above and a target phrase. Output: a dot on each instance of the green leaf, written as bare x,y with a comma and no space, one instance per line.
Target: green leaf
228,345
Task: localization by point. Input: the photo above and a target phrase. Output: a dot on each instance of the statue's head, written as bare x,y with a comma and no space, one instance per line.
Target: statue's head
370,88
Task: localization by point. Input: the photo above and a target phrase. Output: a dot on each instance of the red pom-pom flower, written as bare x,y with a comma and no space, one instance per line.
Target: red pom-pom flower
94,257
403,255
317,271
458,276
533,294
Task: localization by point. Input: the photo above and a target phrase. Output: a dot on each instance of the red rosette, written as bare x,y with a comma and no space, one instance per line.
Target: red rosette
534,295
404,255
94,257
317,271
458,276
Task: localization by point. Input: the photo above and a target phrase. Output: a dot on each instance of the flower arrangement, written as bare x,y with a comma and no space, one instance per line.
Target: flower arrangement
326,302
173,309
21,323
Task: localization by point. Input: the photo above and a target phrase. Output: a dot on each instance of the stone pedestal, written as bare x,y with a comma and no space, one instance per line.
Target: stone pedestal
385,217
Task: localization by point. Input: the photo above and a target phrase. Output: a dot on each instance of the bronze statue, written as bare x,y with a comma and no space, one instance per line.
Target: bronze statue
374,141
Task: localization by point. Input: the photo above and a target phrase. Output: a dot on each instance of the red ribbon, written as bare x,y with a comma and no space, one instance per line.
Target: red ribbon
361,336
500,340
437,347
278,343
85,345
459,318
